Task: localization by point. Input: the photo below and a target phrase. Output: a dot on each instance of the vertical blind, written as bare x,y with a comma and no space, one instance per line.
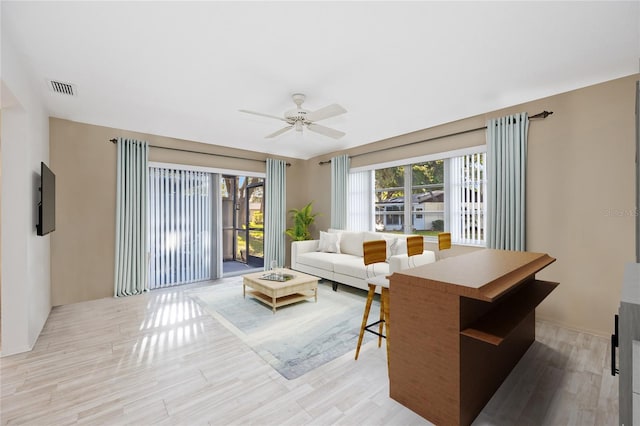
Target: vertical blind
468,186
360,202
179,226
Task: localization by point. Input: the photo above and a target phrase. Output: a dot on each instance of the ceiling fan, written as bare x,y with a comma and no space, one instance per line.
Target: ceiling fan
298,118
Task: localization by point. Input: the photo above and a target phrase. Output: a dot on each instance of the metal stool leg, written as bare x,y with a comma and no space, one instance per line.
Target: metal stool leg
385,296
382,320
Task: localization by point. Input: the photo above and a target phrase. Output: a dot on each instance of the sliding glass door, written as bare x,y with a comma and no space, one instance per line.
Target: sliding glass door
203,225
254,223
242,222
229,218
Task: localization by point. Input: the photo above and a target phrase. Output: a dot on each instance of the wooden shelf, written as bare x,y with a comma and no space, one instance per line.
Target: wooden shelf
498,323
282,300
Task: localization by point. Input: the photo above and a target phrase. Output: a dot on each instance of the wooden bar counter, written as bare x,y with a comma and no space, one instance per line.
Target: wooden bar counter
458,327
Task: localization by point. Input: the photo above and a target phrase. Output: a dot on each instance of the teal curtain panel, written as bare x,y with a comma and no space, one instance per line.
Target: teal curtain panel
275,212
339,191
131,218
507,170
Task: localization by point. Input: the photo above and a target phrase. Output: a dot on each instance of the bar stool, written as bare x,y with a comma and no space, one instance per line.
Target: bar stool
375,252
444,242
415,246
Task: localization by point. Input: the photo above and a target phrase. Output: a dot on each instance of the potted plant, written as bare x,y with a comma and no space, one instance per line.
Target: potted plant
302,219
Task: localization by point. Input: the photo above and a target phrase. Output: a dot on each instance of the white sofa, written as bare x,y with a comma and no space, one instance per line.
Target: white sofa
347,266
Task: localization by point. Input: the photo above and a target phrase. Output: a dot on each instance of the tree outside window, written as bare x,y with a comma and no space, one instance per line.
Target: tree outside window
389,199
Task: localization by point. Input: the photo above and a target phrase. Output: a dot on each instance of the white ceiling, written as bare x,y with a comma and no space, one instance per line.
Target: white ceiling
184,69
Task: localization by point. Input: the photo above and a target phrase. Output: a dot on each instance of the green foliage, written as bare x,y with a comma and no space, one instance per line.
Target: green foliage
390,181
428,173
257,219
437,225
302,219
256,244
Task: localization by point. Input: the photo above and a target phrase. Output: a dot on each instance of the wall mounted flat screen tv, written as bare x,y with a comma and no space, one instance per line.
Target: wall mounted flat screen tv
47,206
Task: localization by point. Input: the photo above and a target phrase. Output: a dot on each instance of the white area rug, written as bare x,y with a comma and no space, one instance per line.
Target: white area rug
297,338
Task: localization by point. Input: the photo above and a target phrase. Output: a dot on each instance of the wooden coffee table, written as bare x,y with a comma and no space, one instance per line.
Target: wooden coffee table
276,293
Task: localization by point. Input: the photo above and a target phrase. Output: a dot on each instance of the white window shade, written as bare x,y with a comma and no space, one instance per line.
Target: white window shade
360,201
179,226
467,187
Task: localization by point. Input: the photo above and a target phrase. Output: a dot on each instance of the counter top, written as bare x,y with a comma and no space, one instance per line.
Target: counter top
485,274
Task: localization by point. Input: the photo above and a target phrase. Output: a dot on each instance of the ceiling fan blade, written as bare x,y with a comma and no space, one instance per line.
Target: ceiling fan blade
326,112
279,132
324,130
263,115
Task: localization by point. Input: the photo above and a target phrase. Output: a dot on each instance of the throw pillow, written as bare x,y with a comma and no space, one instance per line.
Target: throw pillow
329,243
391,243
399,247
351,243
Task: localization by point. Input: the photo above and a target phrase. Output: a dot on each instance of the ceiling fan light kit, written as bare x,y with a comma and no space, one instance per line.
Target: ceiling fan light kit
299,117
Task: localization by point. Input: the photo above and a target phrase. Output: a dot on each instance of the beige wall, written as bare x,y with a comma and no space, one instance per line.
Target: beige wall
581,174
297,195
580,202
580,195
82,248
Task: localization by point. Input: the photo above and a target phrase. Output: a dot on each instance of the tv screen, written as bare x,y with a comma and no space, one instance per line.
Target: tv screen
47,206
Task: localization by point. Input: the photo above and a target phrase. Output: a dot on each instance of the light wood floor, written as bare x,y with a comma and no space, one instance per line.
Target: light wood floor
158,359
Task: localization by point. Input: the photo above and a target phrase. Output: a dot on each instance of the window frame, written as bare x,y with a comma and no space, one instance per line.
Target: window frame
407,163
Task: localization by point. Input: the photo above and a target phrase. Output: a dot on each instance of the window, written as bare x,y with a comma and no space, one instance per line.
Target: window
389,199
427,197
433,196
242,220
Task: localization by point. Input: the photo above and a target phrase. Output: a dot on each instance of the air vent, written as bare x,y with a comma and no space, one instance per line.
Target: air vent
62,88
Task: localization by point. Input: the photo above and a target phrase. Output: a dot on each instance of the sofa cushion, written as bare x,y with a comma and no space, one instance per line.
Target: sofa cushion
329,243
401,261
373,236
354,267
351,243
322,260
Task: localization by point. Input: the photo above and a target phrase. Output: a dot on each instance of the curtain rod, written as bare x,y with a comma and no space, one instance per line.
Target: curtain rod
114,140
543,115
